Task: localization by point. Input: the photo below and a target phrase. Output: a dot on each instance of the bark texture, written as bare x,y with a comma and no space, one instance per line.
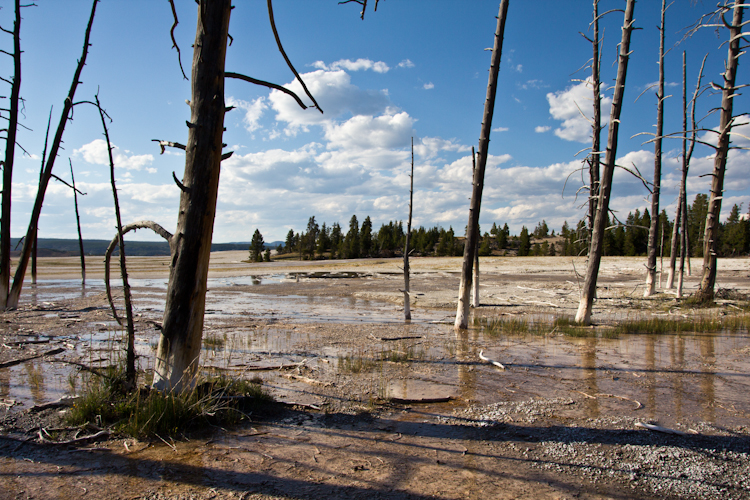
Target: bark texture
597,238
654,229
705,292
462,312
180,343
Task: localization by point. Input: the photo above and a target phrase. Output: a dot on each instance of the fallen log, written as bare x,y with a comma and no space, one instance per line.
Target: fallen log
18,361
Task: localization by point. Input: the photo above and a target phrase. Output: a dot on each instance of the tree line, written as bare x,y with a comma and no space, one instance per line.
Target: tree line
627,238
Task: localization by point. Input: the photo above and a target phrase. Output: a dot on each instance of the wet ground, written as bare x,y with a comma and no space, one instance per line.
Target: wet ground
384,407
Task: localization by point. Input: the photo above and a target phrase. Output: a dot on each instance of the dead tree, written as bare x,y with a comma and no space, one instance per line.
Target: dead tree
596,124
475,269
10,150
728,89
78,224
179,347
679,232
130,357
605,188
407,299
654,229
23,261
462,312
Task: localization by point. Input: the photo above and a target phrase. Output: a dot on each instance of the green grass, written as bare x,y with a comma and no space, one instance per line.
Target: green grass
147,413
658,326
356,363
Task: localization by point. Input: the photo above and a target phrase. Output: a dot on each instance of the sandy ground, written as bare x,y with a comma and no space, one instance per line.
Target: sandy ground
561,421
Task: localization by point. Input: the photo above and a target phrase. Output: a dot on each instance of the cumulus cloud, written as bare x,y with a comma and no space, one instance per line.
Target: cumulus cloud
573,107
428,86
540,129
406,63
429,147
253,111
500,129
336,95
95,152
358,65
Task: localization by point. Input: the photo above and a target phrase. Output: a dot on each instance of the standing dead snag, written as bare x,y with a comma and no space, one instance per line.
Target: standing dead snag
605,188
78,224
462,312
130,359
407,298
28,241
654,229
705,292
10,150
179,347
475,269
180,342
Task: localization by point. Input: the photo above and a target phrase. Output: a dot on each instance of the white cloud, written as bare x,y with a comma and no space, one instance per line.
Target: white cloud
519,68
358,65
540,129
367,132
500,129
429,147
334,93
95,152
406,63
573,107
253,111
428,86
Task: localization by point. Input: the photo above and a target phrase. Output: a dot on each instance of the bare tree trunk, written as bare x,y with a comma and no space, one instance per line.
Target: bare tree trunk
462,311
78,224
407,298
595,252
180,343
10,150
596,127
475,277
654,229
705,292
34,250
684,246
23,261
130,356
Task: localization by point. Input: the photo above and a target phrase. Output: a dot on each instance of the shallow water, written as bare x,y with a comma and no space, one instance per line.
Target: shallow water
665,378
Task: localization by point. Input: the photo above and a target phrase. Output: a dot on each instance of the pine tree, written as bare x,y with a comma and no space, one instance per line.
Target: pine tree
366,237
256,247
524,243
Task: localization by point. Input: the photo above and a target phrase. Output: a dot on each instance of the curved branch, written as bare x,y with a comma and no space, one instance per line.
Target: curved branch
288,62
174,42
143,224
270,85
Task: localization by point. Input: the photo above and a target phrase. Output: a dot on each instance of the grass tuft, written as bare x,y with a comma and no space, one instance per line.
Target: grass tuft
147,413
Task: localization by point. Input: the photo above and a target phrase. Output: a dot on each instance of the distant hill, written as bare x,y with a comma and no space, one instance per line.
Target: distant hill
54,247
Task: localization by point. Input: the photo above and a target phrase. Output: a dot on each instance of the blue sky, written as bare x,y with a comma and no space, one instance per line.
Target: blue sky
411,69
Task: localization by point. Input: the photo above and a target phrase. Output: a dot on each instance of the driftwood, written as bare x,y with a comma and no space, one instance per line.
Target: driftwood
658,428
18,361
488,360
307,380
63,401
389,339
